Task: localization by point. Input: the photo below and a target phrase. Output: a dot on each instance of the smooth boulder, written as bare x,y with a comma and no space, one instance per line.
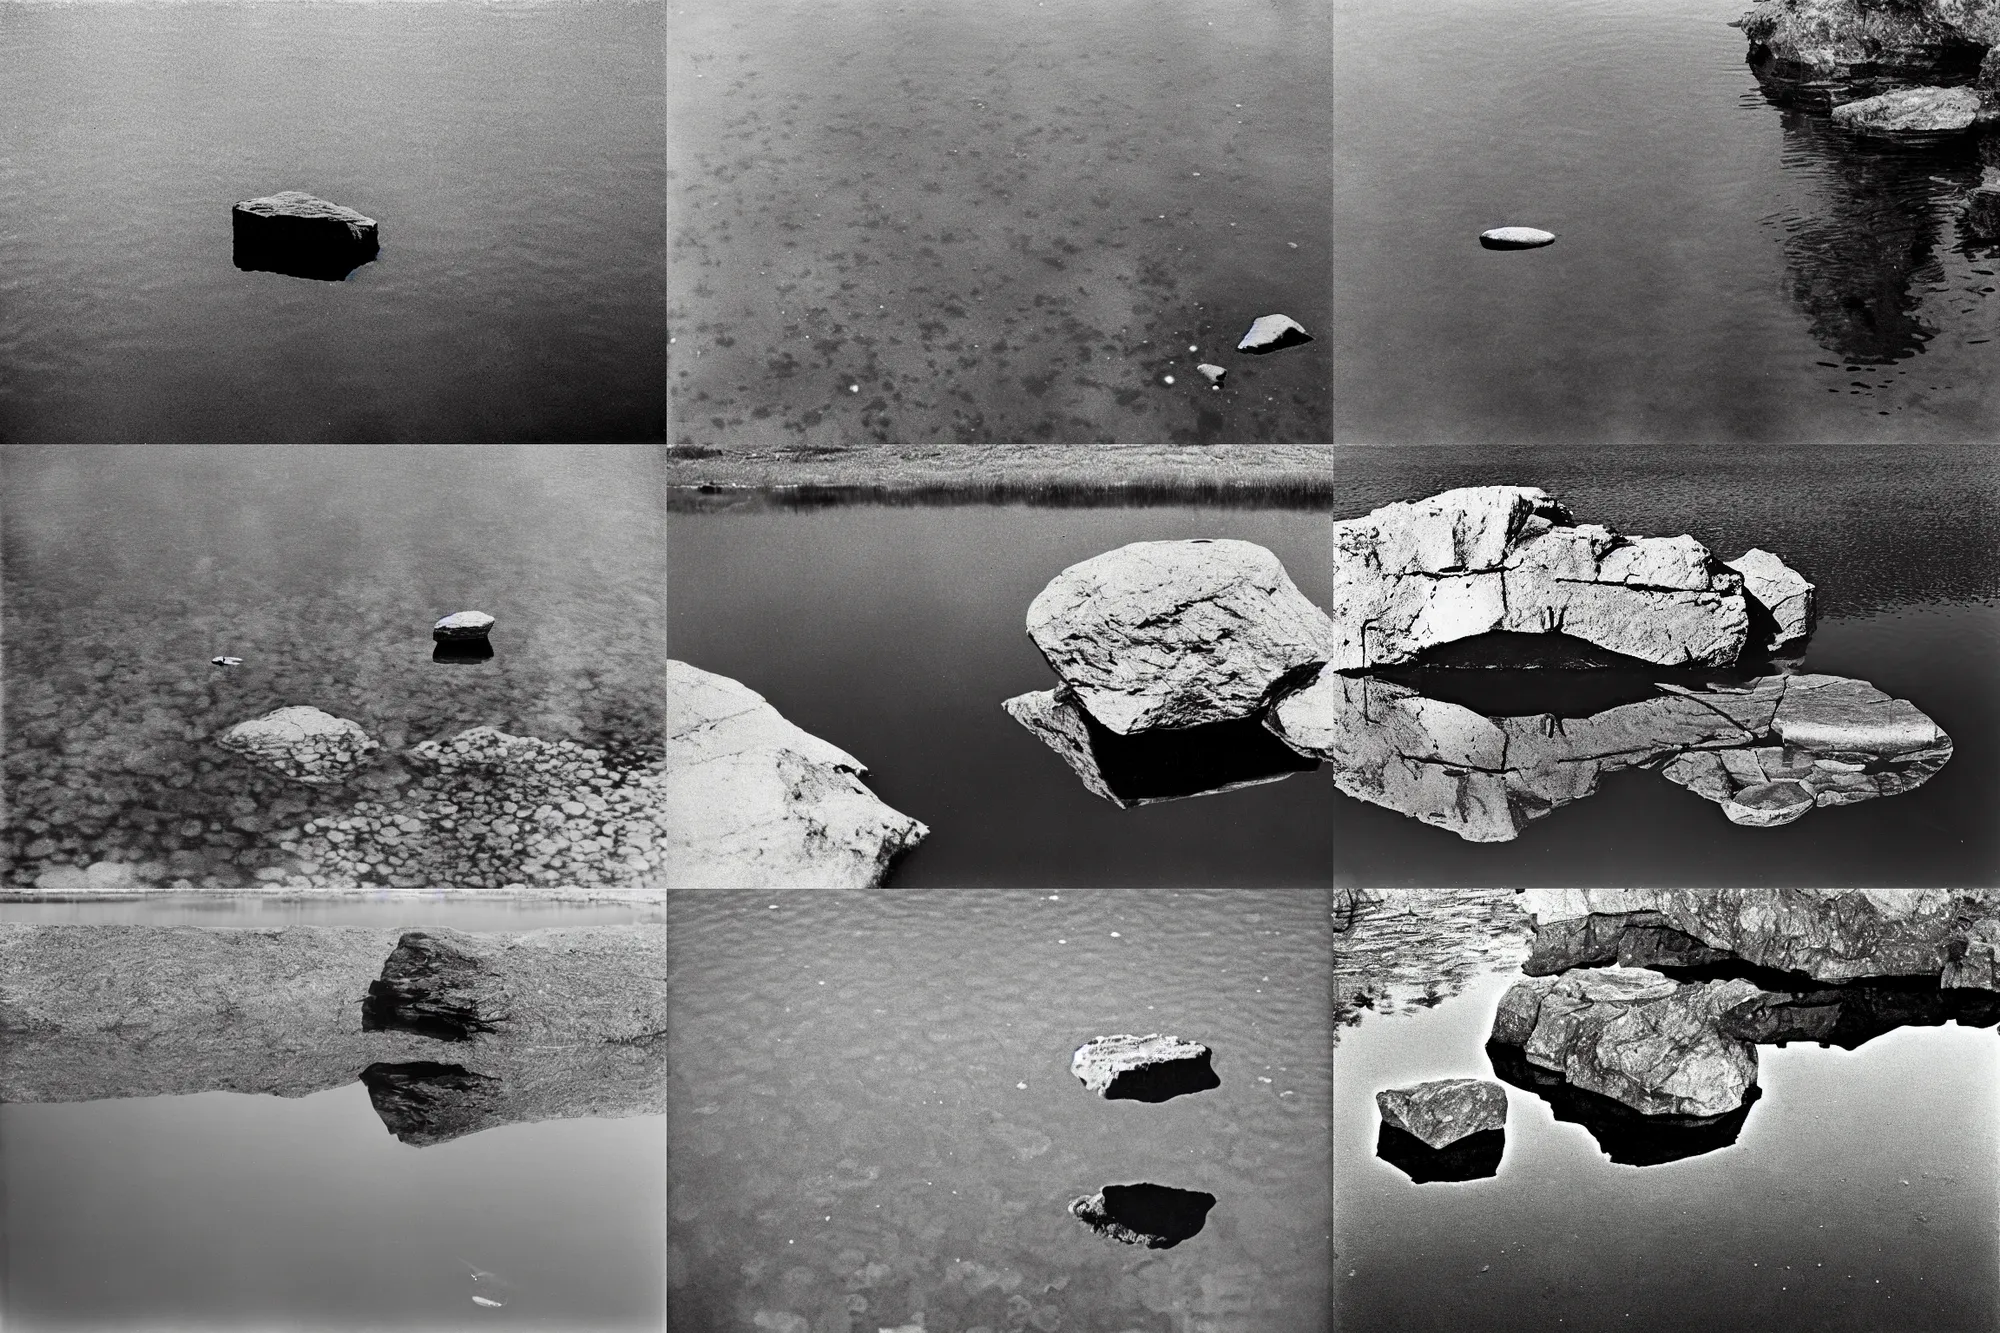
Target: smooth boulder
302,743
1415,575
1911,111
1177,633
1272,333
1446,1110
753,801
301,235
1516,238
462,625
1152,1068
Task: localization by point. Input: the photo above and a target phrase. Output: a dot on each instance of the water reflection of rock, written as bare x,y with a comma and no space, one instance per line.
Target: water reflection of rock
1406,950
94,1012
1158,1217
1474,1157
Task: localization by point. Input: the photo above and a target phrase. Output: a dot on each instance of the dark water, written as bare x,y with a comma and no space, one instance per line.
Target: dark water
323,568
512,154
872,1121
895,633
1861,1194
892,224
1726,270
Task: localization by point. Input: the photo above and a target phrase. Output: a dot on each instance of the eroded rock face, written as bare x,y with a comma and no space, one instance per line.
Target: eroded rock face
1444,1111
1415,575
299,234
1176,633
1158,1217
1636,1036
752,801
302,743
1152,1068
1911,111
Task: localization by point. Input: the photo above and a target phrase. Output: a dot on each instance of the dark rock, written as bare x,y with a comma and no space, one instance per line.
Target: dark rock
1980,219
1444,1111
1152,1068
294,233
434,984
1627,1137
1631,939
1474,1157
1156,1216
1852,1015
424,1102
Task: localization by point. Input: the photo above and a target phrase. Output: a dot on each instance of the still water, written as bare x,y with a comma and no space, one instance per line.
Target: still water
1861,1194
512,154
873,1124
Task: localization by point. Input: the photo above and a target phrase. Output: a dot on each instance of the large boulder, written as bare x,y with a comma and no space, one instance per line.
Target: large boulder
1152,1068
752,801
1177,633
1158,1217
1446,1110
302,743
1636,1036
1480,560
1844,41
299,234
1911,111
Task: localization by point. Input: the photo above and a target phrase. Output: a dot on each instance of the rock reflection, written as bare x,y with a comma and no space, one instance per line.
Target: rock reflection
1407,950
1627,1137
1474,1157
1156,1216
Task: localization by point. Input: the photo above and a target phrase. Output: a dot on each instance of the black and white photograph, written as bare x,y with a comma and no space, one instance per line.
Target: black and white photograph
1037,666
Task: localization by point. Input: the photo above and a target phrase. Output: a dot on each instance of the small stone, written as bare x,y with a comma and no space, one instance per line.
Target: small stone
1516,238
1445,1111
463,625
1152,1068
1212,373
1271,333
226,661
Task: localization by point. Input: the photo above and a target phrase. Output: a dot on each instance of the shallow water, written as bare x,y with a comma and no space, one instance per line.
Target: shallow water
872,1121
1860,1195
513,155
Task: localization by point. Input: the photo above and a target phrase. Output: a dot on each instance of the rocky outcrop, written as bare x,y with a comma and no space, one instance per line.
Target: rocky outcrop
1273,333
752,801
1783,606
1152,1068
1636,1036
1158,1217
1442,1112
1152,766
1177,633
302,743
1911,111
1411,576
463,625
1854,43
1828,935
298,234
1516,238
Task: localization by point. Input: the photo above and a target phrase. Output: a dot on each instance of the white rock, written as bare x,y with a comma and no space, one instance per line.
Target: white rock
1269,333
304,744
752,801
1911,111
1212,373
463,625
1176,633
1516,238
1782,592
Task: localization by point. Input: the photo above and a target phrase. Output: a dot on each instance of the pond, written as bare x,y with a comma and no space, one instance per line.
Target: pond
512,154
1859,1193
873,1123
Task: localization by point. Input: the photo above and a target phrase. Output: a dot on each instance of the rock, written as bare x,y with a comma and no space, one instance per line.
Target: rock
1412,576
1640,939
463,625
1176,633
1911,111
1636,1036
754,802
1980,218
433,984
1212,373
1152,766
226,661
1849,1016
1627,1137
1516,238
302,743
1973,957
1272,333
62,879
1781,601
295,233
1444,1111
1156,1216
1838,715
1850,42
1474,1157
1152,1068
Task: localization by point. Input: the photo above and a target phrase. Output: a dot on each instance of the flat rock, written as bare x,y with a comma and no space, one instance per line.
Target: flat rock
1412,576
1516,238
1444,1111
302,235
1271,333
1911,111
1212,373
1158,1217
463,625
1176,633
1782,601
1151,1068
752,801
1636,1036
302,743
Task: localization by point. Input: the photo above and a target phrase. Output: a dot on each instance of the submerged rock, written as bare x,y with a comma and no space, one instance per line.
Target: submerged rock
1636,1036
1444,1111
1156,1216
296,233
1152,1068
1980,218
1176,633
302,743
752,801
1272,333
1474,1157
1516,238
1411,576
463,625
1911,111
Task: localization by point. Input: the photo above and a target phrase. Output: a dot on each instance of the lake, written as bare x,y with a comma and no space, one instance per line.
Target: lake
1860,1194
872,1120
513,155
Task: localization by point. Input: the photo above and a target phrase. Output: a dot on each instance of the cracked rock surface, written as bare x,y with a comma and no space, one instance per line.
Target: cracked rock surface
1176,633
302,743
1446,1110
753,801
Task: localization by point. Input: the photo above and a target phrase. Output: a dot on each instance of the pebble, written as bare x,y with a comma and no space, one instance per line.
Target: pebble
1516,238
